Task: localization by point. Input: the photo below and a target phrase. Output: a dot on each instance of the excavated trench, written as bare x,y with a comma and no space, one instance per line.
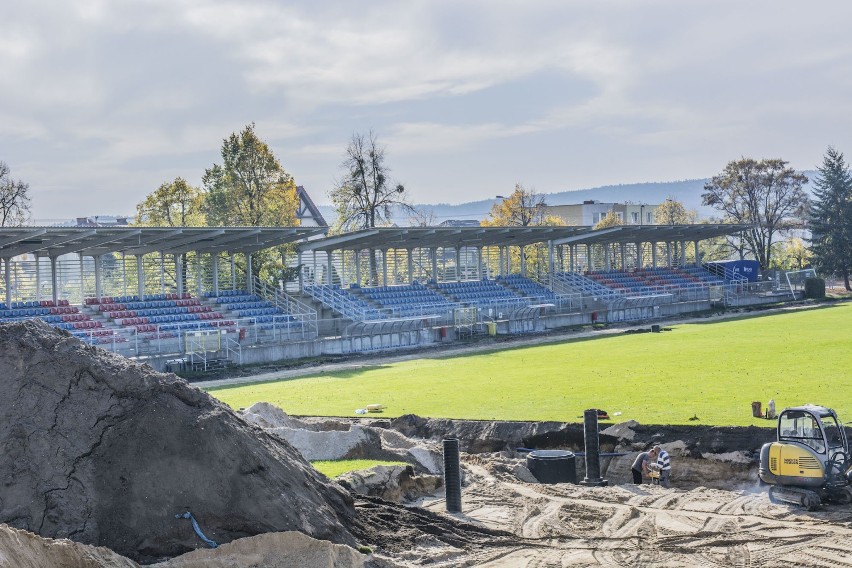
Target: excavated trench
702,456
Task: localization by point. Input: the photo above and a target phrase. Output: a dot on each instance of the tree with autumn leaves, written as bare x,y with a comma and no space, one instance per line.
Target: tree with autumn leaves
249,188
524,208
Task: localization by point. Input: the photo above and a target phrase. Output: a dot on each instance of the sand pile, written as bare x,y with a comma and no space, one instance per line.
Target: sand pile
105,451
22,549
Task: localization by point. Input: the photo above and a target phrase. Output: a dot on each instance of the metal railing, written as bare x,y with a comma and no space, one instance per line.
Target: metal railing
287,304
188,338
349,307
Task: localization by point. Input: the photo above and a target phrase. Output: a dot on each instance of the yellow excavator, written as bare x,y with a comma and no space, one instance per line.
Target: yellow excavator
810,463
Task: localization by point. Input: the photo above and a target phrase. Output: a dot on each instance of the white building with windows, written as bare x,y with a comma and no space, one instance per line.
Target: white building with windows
591,212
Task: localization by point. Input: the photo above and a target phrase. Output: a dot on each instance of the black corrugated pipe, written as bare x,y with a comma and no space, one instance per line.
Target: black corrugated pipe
452,477
593,458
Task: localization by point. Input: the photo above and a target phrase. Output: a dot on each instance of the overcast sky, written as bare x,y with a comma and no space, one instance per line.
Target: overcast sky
102,101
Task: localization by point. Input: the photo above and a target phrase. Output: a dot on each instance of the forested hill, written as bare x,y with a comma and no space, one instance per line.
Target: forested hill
688,192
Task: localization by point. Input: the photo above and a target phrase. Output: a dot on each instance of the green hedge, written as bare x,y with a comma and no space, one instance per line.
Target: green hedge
814,288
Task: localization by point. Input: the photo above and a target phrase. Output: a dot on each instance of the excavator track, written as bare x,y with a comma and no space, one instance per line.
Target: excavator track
842,496
804,498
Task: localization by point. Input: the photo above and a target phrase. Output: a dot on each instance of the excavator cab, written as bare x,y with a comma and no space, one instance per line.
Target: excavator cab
811,461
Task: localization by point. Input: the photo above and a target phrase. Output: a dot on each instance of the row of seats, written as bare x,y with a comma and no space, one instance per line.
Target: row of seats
237,298
158,312
477,292
526,286
88,324
408,300
145,298
187,326
33,304
258,312
76,317
169,318
246,305
226,293
35,312
113,307
652,280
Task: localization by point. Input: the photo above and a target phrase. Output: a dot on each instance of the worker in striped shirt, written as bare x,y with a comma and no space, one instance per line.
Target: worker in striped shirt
663,464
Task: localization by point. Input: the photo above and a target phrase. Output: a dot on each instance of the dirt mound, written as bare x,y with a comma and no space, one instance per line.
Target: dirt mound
106,451
476,436
391,482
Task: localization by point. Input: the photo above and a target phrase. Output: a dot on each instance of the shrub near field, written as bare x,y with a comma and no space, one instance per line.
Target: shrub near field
712,370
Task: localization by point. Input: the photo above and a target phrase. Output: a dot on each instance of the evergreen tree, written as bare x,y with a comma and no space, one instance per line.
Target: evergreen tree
831,217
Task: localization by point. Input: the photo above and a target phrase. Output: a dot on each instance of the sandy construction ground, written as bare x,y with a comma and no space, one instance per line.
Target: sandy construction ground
569,525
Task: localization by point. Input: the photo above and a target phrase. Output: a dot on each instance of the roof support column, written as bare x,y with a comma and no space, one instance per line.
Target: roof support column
301,265
82,284
682,254
162,272
140,278
479,268
697,255
214,260
523,250
607,260
500,261
410,265
179,274
38,277
329,265
551,264
7,275
123,274
358,267
588,257
249,274
654,254
384,267
639,255
198,278
669,253
54,281
395,266
233,272
433,255
623,248
98,289
508,261
572,252
458,264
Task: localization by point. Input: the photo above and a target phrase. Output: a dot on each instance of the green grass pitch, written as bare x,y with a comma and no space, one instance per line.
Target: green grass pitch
333,468
711,370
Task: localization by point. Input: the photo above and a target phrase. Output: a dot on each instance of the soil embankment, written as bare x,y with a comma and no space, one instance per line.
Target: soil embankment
106,451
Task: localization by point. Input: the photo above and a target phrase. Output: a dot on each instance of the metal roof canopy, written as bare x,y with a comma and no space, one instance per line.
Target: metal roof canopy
451,237
652,233
94,241
440,237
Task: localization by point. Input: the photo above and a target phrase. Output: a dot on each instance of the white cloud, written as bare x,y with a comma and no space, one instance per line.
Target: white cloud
105,100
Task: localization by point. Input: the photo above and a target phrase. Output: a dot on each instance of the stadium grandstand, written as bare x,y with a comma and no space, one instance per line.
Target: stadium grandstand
192,296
